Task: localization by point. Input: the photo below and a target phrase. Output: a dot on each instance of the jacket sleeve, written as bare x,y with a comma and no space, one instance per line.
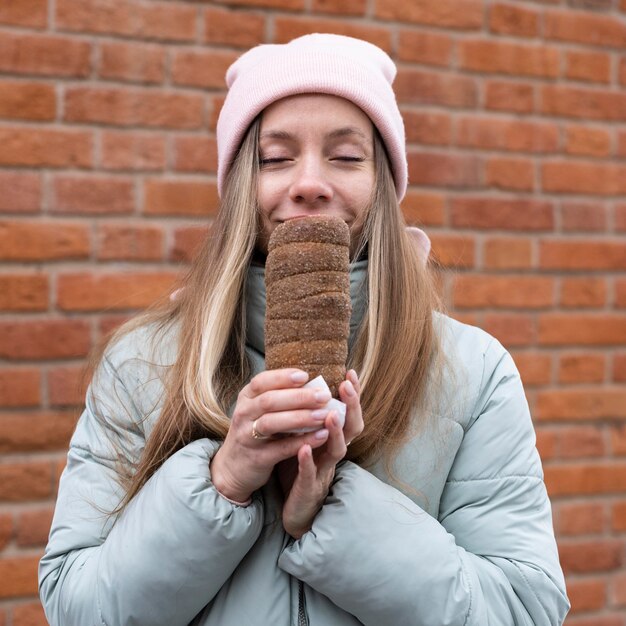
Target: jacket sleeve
489,559
169,551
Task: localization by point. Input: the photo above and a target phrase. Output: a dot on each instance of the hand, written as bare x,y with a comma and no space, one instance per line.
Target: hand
306,479
273,402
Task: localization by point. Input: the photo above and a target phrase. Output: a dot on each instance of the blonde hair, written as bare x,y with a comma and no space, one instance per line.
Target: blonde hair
395,347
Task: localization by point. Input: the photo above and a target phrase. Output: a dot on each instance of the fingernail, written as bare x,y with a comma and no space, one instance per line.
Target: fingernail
299,377
319,414
321,395
321,434
349,388
335,418
354,376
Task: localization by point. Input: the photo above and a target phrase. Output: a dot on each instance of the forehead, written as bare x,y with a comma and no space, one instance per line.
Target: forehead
316,110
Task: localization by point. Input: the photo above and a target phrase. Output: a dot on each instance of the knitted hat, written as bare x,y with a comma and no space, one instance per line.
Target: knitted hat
320,63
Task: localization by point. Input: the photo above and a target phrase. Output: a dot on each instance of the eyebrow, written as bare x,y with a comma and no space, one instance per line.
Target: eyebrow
345,131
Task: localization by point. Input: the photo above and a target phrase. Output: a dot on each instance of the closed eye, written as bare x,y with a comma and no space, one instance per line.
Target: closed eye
349,159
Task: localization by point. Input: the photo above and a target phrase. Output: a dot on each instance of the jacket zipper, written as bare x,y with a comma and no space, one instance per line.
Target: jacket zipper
302,618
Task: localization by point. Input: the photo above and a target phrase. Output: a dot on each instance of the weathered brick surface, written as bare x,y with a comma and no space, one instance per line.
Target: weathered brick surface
514,115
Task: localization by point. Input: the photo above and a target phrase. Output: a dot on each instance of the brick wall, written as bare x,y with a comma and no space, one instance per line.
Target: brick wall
515,118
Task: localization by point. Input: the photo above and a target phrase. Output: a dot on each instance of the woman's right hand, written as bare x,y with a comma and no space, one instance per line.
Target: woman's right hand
273,402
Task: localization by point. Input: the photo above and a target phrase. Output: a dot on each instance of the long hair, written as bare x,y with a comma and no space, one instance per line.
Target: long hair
395,348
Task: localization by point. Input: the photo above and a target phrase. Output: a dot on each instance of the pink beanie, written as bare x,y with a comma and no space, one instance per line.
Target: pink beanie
320,63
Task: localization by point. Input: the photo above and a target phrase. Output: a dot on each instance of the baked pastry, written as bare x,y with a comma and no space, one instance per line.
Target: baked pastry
307,281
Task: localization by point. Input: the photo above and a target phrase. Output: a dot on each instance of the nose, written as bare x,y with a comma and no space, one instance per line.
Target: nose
310,186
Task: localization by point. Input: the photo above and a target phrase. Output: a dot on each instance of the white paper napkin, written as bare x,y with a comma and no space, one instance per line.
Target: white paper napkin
332,405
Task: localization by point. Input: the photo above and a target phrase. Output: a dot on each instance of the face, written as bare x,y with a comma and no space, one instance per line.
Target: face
317,158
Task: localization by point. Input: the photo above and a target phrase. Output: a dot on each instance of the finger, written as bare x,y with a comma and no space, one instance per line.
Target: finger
336,445
279,400
274,379
273,451
354,415
289,421
353,377
306,466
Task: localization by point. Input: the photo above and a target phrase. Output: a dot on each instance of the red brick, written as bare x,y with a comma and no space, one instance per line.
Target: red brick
580,519
233,28
36,431
178,197
584,28
95,195
6,531
546,444
586,595
33,527
23,292
618,516
30,13
19,387
506,19
427,128
582,254
508,96
67,385
618,440
133,107
27,101
44,55
201,69
187,242
506,173
425,47
453,250
19,576
482,291
127,242
496,134
195,154
20,192
585,479
589,403
590,66
40,241
535,368
589,104
422,87
110,323
421,207
586,141
581,367
583,216
29,615
143,63
619,590
134,18
620,217
590,556
560,329
580,442
583,292
290,5
620,294
44,339
129,290
348,7
509,58
45,147
461,14
444,169
510,328
622,72
24,481
133,151
286,28
502,213
584,178
619,367
507,253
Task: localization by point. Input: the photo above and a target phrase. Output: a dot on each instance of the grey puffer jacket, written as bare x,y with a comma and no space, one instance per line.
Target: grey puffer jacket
461,535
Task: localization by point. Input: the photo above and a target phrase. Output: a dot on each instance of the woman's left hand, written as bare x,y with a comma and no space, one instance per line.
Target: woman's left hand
306,479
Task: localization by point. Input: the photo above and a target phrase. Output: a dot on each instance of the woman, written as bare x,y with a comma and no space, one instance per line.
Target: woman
435,514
